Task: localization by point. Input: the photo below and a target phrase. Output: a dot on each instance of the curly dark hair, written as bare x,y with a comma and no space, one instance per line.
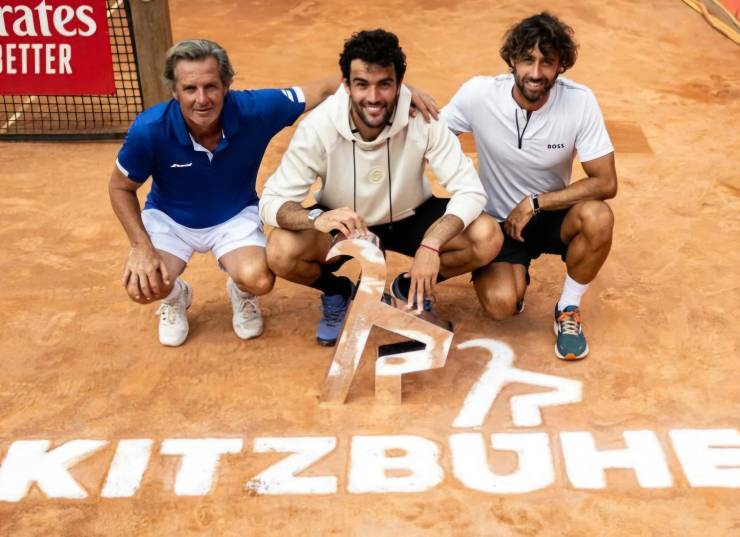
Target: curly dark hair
373,46
545,31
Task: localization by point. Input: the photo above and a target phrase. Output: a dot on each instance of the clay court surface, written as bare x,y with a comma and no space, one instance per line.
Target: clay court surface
79,361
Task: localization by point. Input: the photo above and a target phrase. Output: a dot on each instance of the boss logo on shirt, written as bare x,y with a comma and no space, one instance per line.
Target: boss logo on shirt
556,146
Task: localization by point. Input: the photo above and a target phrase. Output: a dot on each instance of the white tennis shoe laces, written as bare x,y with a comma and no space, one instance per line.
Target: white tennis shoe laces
173,316
246,316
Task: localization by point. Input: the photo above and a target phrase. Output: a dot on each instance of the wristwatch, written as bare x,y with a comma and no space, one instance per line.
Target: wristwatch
313,214
535,203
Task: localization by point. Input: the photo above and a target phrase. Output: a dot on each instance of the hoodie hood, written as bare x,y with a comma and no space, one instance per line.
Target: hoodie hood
382,180
399,120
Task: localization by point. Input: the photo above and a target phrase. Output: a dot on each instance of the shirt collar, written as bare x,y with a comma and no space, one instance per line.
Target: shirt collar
198,147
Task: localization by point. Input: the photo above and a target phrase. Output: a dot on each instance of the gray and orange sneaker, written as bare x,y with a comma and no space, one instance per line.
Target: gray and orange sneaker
570,342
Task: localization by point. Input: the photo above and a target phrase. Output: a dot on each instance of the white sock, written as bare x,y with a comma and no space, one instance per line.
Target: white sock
572,293
178,288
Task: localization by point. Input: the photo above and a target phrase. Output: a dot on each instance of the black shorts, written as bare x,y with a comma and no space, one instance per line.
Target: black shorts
404,236
541,236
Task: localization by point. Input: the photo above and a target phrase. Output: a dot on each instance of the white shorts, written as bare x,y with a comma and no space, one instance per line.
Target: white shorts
243,229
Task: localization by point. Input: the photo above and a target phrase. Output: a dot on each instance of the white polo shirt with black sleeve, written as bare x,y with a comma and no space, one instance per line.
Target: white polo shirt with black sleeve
519,155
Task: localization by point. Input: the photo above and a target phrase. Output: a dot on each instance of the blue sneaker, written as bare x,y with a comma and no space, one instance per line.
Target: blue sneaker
334,308
571,343
400,295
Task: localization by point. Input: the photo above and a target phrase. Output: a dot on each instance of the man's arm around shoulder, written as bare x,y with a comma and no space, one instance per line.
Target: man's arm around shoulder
317,91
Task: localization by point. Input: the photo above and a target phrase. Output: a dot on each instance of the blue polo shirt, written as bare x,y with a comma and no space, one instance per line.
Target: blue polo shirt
187,185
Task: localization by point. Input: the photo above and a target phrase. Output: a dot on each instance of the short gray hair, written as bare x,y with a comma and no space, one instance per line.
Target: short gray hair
197,49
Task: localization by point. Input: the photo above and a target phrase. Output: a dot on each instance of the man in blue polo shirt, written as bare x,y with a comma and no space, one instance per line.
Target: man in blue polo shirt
203,149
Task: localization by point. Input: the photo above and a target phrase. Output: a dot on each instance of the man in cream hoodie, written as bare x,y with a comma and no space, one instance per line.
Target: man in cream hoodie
369,155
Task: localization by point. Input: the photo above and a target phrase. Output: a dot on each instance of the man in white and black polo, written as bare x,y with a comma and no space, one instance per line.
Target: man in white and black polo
528,126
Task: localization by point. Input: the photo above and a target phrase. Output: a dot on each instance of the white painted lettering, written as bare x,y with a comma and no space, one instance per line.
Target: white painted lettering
371,459
10,59
65,55
710,458
43,11
127,468
24,25
87,20
200,458
585,465
29,461
62,16
500,371
470,466
37,57
68,21
24,57
50,59
280,478
3,11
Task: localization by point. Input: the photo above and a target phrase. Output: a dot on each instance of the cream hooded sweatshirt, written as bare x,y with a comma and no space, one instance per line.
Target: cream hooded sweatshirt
374,178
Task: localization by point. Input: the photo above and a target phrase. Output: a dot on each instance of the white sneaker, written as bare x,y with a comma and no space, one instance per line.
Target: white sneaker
173,317
247,317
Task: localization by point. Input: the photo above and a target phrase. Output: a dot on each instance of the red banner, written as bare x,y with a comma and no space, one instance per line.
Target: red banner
55,47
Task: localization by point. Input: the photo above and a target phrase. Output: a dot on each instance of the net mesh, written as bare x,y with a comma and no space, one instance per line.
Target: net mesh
27,117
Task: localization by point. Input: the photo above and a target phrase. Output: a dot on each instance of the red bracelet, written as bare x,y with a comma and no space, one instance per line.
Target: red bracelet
430,248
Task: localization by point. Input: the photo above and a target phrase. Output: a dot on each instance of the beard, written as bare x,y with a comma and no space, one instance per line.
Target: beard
374,123
533,97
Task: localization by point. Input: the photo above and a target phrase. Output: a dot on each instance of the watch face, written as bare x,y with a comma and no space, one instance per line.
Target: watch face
313,214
